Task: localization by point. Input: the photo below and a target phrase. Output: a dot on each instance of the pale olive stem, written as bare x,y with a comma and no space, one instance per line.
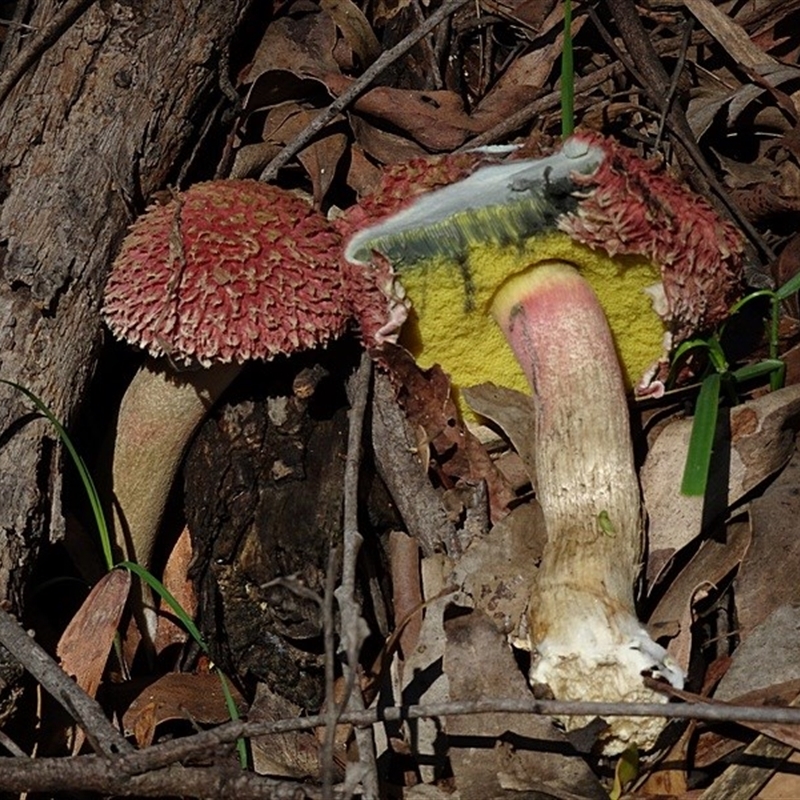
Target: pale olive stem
158,415
587,641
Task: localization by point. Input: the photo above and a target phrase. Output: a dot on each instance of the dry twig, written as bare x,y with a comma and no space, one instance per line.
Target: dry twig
102,735
385,60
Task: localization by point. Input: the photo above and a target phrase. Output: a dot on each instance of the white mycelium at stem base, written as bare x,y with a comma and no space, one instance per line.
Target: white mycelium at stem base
586,639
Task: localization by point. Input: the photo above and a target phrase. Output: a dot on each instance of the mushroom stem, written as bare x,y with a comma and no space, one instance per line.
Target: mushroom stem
159,413
587,641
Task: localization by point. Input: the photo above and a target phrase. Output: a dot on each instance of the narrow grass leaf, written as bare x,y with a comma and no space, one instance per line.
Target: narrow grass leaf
750,371
233,712
80,465
567,76
740,304
167,596
701,442
789,288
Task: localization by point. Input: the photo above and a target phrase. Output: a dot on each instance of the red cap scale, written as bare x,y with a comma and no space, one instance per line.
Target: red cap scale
227,271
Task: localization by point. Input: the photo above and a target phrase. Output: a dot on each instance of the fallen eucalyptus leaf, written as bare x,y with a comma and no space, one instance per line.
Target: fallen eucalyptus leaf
762,440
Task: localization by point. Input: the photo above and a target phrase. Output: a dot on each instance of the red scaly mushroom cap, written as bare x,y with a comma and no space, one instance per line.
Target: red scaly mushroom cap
629,206
378,301
227,271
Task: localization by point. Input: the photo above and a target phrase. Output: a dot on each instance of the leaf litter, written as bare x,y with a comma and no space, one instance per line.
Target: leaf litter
720,583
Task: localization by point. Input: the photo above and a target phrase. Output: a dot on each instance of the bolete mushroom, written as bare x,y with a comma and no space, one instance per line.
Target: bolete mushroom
663,264
582,256
586,640
225,272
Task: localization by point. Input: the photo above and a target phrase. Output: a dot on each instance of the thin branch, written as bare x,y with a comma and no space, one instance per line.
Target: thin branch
164,754
331,711
14,34
34,49
655,81
97,774
385,60
354,627
102,735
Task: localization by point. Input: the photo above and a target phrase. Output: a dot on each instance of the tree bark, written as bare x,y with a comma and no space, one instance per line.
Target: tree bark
104,118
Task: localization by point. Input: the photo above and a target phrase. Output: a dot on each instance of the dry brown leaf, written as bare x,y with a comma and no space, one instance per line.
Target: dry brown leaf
498,571
302,42
427,400
735,42
768,575
176,581
384,146
355,28
713,561
523,80
786,267
86,642
762,441
294,754
494,755
404,559
196,698
435,119
362,174
512,412
275,87
320,158
532,14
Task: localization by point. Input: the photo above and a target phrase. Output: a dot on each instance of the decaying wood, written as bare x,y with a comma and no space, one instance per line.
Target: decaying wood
87,135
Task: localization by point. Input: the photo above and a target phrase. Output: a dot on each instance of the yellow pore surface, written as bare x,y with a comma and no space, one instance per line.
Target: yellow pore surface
450,323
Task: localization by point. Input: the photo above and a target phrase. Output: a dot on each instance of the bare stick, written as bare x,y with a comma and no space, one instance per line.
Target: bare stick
47,36
354,628
331,711
343,100
100,775
102,735
655,81
204,743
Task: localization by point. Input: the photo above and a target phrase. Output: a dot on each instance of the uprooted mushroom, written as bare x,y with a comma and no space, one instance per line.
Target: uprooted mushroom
662,262
580,256
226,272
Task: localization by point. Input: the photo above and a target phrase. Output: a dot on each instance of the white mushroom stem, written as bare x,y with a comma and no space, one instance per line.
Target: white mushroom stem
159,413
586,639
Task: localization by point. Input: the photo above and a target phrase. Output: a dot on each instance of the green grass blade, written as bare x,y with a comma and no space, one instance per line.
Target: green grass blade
233,713
704,426
740,304
167,596
567,76
751,371
80,465
789,288
188,623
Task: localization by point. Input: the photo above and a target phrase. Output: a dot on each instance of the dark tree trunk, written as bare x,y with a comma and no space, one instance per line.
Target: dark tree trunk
103,119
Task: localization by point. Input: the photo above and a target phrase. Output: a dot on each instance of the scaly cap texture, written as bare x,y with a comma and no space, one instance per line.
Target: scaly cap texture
227,271
378,301
630,206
